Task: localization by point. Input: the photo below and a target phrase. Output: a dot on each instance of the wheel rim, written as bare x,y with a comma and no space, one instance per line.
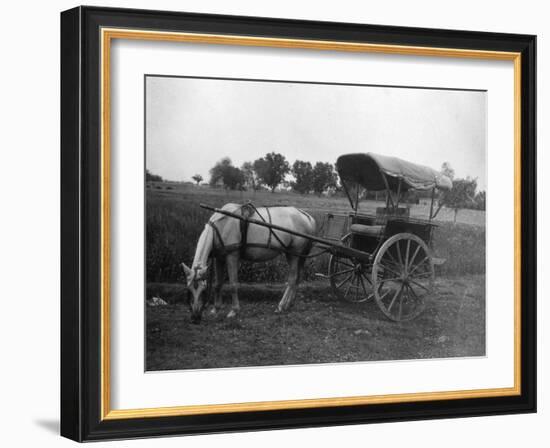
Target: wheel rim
403,277
348,278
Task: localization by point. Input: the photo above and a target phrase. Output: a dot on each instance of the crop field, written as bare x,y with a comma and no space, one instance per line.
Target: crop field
318,328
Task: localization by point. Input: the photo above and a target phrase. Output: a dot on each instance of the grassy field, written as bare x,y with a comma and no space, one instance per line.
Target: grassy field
175,221
319,328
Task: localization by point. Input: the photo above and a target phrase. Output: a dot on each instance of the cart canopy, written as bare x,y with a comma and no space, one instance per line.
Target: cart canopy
367,169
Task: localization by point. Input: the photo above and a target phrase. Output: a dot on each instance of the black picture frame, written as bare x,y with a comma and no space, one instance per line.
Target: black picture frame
81,224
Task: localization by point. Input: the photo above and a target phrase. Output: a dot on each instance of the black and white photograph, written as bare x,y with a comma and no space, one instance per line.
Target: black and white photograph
284,220
292,223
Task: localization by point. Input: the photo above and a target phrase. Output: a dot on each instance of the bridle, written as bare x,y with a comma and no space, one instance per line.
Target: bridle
197,278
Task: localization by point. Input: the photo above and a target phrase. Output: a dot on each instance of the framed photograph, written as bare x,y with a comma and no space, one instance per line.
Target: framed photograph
272,223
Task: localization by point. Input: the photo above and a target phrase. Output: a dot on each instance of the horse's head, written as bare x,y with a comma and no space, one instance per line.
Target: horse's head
197,286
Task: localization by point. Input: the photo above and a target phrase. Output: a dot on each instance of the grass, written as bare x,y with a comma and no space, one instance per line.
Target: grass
175,221
318,329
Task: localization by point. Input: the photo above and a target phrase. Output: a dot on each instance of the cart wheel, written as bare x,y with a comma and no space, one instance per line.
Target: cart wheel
403,276
348,277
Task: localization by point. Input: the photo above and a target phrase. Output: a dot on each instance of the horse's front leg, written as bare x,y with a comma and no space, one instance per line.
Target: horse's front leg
294,265
219,266
232,261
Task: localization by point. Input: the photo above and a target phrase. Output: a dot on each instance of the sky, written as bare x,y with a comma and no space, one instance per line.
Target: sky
193,123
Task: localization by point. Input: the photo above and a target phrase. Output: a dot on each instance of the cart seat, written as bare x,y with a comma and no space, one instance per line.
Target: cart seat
363,229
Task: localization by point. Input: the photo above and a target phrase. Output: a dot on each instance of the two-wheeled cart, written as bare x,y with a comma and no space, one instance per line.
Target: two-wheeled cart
385,255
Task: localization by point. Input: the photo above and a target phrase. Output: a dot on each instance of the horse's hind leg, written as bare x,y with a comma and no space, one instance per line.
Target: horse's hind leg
219,274
233,273
294,266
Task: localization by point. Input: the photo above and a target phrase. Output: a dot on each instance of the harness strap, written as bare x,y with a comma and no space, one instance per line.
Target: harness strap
271,231
244,236
243,244
223,248
269,234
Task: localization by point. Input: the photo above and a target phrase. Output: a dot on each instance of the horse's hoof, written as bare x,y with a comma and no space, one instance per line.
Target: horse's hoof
231,314
278,310
213,311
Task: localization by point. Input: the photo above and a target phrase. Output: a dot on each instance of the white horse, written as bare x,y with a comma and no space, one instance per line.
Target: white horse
226,240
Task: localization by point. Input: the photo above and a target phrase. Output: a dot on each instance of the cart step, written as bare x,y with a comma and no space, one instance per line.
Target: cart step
438,261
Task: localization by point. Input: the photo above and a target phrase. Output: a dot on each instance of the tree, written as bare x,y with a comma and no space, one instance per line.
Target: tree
224,171
233,178
303,174
149,177
249,175
271,169
197,178
447,170
217,171
481,199
461,196
324,177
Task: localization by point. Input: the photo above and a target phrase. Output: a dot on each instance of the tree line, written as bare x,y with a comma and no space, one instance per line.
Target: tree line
270,171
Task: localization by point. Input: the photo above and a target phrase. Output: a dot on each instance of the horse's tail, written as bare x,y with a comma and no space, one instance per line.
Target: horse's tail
311,220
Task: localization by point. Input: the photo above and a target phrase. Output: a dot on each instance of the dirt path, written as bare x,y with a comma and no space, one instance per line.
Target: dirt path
318,329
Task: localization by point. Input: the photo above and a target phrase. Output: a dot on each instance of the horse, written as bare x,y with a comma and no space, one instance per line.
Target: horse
225,241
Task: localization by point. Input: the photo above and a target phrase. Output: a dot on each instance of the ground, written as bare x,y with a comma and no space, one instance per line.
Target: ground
318,329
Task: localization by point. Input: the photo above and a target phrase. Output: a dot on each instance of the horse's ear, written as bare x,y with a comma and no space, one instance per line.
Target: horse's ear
188,271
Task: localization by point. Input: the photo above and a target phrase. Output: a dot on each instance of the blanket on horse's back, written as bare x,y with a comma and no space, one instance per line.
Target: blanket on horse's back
247,211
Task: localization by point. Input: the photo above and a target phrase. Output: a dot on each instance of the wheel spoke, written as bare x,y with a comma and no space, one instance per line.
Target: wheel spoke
347,289
419,284
414,293
363,285
343,272
366,277
395,262
383,296
407,255
389,263
344,281
415,254
397,294
391,270
427,257
398,247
